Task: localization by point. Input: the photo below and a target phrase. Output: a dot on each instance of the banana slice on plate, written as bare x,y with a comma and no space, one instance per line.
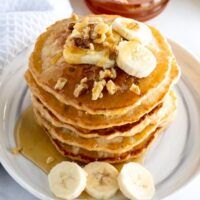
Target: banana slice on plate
136,182
135,59
67,180
131,29
101,180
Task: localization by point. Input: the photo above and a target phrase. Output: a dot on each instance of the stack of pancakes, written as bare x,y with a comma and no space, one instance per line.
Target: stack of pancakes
114,128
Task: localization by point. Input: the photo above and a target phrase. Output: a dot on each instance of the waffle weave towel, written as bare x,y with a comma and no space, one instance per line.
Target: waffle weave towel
21,21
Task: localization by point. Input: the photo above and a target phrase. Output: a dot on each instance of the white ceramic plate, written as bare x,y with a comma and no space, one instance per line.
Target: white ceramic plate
173,160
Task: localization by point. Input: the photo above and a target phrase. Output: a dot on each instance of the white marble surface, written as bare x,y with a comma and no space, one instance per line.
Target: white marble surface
181,22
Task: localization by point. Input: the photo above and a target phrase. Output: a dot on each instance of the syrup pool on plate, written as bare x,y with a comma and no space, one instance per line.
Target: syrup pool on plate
35,144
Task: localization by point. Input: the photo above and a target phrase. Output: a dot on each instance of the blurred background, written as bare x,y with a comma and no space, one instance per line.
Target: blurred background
21,21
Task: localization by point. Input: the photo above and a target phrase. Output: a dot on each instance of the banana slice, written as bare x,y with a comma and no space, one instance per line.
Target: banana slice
131,29
135,59
101,180
67,180
135,182
82,56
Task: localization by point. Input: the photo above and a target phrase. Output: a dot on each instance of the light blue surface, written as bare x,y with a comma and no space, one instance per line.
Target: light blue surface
10,190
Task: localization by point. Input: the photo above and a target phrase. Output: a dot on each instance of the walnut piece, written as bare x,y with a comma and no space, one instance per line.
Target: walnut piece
93,35
71,26
101,95
49,160
108,73
74,16
97,89
100,39
16,150
75,34
91,46
81,87
111,87
85,32
75,149
82,43
60,84
135,88
113,54
101,28
84,80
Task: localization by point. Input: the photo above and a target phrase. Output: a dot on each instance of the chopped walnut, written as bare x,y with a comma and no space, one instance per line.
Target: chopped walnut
82,43
96,32
100,39
74,16
111,87
60,84
91,46
49,160
80,88
97,89
101,28
84,80
71,26
85,32
113,54
75,34
101,96
16,150
107,73
75,149
82,36
135,88
106,44
80,25
114,73
92,34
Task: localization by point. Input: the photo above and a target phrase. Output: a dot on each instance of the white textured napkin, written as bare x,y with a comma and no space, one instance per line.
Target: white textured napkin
21,21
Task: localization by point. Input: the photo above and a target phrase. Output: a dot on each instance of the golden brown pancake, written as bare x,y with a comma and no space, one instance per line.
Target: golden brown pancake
70,115
115,126
47,65
126,130
107,133
82,155
116,145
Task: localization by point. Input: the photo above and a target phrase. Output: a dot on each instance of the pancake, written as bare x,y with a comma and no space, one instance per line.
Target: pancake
126,130
117,145
47,65
111,111
70,115
107,133
82,155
